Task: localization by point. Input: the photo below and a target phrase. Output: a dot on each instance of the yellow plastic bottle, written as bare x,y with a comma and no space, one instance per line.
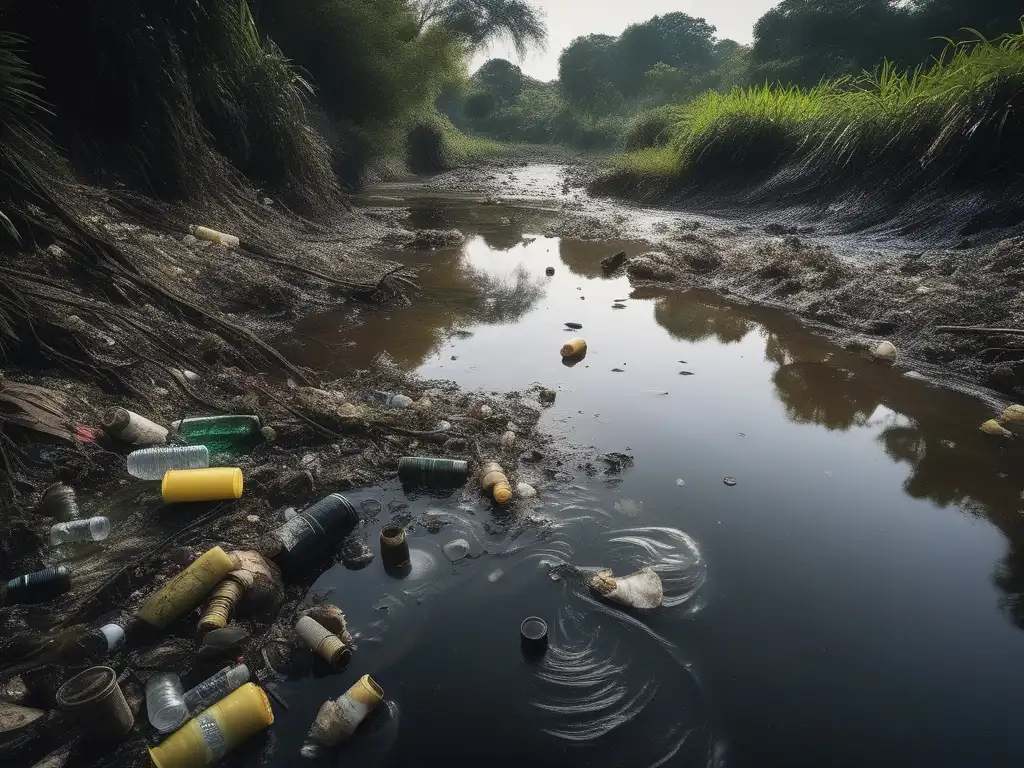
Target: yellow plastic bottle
214,484
213,733
574,347
185,591
338,718
494,479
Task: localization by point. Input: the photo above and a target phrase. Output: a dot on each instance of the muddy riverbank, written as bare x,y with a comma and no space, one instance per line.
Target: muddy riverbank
860,288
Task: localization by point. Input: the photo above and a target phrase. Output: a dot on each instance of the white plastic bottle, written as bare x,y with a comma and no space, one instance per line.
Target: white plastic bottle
90,529
152,463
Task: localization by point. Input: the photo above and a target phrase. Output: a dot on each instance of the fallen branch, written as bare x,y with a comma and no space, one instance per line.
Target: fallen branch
978,329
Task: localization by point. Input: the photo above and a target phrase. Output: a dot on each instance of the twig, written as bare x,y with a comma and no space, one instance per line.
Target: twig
977,329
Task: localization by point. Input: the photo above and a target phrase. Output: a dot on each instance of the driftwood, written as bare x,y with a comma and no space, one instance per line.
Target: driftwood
978,329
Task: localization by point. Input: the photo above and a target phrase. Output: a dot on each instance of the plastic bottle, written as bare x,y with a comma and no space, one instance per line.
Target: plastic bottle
221,434
39,586
114,636
574,347
215,688
60,502
316,527
327,645
182,593
205,233
494,480
90,529
221,605
165,702
338,718
213,484
132,428
214,732
416,470
152,463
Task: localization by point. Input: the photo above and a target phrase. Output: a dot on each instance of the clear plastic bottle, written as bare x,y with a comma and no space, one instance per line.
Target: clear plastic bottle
165,702
215,688
152,463
90,529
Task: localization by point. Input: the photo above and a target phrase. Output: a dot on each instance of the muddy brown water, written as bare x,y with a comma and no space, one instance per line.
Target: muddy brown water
853,600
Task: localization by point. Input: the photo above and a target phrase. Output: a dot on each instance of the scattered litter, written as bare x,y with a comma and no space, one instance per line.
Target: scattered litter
686,373
642,589
165,701
235,434
456,550
96,702
494,481
550,271
185,591
526,491
213,236
993,427
574,348
37,587
91,529
730,481
132,428
393,400
215,688
533,636
153,463
326,644
339,718
433,473
680,482
212,484
394,551
306,534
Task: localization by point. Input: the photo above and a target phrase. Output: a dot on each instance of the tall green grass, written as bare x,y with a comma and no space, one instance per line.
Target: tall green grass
962,117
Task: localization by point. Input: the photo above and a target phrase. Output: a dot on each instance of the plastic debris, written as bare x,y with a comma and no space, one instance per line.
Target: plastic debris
574,348
730,481
91,529
1014,413
185,591
456,550
394,551
886,351
215,688
306,534
132,428
39,586
153,463
526,491
494,481
97,703
213,236
165,701
533,636
327,645
432,473
642,589
221,605
234,434
339,718
993,427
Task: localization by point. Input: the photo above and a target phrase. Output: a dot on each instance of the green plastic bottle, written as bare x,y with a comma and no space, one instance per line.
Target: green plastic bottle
231,435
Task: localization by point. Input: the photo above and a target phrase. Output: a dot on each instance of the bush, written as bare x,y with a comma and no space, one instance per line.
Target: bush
652,128
434,144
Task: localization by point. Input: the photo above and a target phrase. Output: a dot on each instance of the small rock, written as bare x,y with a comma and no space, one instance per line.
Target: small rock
549,271
191,376
574,326
486,411
356,554
161,391
269,434
456,550
526,491
189,240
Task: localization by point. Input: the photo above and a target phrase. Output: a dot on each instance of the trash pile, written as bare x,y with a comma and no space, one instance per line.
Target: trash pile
152,627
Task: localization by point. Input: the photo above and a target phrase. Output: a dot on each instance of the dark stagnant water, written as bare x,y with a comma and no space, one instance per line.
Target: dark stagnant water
852,601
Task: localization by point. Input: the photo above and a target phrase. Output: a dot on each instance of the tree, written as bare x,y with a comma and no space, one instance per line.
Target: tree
676,39
587,70
503,79
485,21
947,17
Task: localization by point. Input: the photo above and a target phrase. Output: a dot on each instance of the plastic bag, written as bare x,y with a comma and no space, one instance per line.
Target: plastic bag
638,590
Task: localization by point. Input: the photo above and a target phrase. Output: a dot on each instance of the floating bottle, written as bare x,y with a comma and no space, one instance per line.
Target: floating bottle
205,233
60,502
153,463
494,480
327,645
338,718
574,347
165,701
38,587
432,473
233,434
132,428
315,528
221,605
394,551
213,733
90,529
215,688
185,591
213,484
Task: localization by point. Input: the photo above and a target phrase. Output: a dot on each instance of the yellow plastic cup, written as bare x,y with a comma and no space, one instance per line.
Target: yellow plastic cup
214,484
213,733
185,591
574,347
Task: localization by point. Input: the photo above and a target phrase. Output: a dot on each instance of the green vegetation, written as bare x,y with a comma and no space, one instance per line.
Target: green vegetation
959,119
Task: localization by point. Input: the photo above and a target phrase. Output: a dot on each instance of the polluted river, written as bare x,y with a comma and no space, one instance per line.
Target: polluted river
837,542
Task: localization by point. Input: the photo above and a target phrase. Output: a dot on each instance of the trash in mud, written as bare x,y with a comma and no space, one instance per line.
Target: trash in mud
212,484
132,428
185,591
165,701
456,550
90,529
215,688
885,351
574,348
97,705
153,463
730,481
308,533
339,718
994,428
432,473
213,236
221,605
326,644
394,551
642,589
494,481
215,732
37,587
234,435
629,507
526,491
533,636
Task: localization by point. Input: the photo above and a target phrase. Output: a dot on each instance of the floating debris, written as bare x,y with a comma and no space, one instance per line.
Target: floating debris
574,326
730,481
618,305
629,507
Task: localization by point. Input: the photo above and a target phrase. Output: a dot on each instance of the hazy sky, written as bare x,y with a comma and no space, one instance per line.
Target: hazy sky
569,19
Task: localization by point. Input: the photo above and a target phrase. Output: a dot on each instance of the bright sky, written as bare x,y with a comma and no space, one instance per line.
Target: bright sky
569,19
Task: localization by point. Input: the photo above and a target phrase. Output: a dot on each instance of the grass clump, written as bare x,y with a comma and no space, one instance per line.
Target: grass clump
959,120
652,128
